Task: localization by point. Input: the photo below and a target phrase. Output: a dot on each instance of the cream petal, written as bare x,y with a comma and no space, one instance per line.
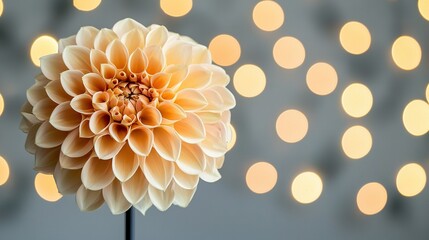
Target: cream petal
68,181
190,129
210,117
82,104
191,100
84,130
103,38
167,95
97,174
74,146
137,63
52,66
219,162
215,143
46,160
100,101
124,26
28,121
77,58
36,93
144,204
48,137
64,42
117,54
227,97
182,196
44,109
198,77
56,93
201,55
160,81
125,163
74,163
219,76
94,83
149,117
178,52
119,132
133,40
156,61
192,159
210,174
167,143
30,145
141,140
178,74
157,36
171,112
86,36
226,118
184,180
88,200
214,100
97,58
108,71
106,147
158,171
161,199
41,80
135,188
64,118
115,198
71,80
99,121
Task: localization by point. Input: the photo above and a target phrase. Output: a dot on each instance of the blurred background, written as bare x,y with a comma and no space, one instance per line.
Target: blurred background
331,119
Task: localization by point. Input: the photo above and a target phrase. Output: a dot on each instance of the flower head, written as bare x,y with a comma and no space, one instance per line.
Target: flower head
130,116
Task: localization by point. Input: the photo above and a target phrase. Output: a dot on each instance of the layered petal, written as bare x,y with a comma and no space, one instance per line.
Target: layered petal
192,159
171,112
167,143
88,200
141,140
99,121
135,188
115,199
56,92
74,162
75,146
161,199
64,118
82,104
183,196
49,137
97,174
71,80
184,180
93,83
106,147
190,129
149,117
46,159
158,171
77,58
125,163
191,100
86,36
52,65
68,181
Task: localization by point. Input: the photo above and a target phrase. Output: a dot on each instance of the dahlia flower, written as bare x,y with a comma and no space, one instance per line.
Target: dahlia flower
130,116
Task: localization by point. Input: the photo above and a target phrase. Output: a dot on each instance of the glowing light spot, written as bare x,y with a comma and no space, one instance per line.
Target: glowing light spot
268,15
42,46
1,104
46,187
357,100
307,187
427,93
4,171
416,117
322,78
406,53
355,38
249,80
424,8
86,5
175,8
1,7
292,126
371,198
261,177
225,50
289,52
356,142
231,143
411,179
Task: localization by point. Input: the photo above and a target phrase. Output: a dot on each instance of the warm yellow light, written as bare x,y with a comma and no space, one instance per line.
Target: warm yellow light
268,15
46,187
427,93
322,78
43,45
289,52
86,5
231,143
355,37
406,53
292,126
371,198
357,100
1,104
411,179
424,8
4,171
356,142
416,117
261,177
176,8
1,7
249,80
307,187
225,50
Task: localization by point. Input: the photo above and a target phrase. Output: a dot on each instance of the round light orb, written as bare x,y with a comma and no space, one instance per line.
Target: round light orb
406,53
288,52
249,80
176,8
1,104
261,177
371,198
356,142
355,38
411,180
357,100
46,187
322,78
225,50
307,187
416,117
268,15
292,126
423,6
86,5
231,143
42,46
4,171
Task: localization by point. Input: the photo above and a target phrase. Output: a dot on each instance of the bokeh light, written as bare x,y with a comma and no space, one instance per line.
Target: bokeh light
406,53
423,6
288,52
427,93
261,177
1,104
225,50
356,142
249,80
357,100
355,37
416,117
371,198
322,78
46,187
176,8
268,15
1,7
42,46
86,5
307,187
411,180
231,143
292,126
4,171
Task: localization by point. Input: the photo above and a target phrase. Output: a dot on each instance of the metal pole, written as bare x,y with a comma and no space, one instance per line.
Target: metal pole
129,224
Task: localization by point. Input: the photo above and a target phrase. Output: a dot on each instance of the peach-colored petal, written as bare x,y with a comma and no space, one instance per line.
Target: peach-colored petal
103,38
119,132
97,58
171,112
178,53
44,108
84,130
144,204
135,188
94,83
184,180
192,159
214,100
190,129
86,36
48,137
167,143
182,196
99,121
219,162
52,66
191,100
108,71
178,74
125,163
141,140
157,36
30,145
228,99
41,80
71,80
124,26
156,61
74,146
198,77
149,117
210,174
215,143
201,55
161,199
100,101
133,40
68,181
46,159
106,147
88,200
64,42
137,63
82,104
115,199
219,76
117,54
56,92
168,95
36,93
77,58
158,171
29,120
210,117
97,174
160,81
74,163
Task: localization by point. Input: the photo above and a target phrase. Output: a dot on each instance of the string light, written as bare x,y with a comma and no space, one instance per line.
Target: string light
356,142
355,37
371,198
411,180
357,100
406,53
175,8
225,50
249,80
423,6
322,78
292,126
307,187
416,117
86,5
42,46
261,177
268,15
288,52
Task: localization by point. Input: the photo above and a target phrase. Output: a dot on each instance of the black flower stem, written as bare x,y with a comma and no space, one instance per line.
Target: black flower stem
129,224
